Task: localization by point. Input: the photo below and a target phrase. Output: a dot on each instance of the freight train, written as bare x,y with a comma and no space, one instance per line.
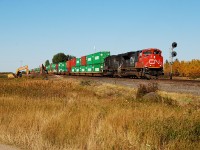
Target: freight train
146,63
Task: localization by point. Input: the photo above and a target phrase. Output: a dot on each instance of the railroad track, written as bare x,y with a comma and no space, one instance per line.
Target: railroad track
179,80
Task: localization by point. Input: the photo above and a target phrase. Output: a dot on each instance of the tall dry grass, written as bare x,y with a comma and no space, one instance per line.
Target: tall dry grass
67,114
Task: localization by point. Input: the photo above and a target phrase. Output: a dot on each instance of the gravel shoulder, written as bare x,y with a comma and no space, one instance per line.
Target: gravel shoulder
164,85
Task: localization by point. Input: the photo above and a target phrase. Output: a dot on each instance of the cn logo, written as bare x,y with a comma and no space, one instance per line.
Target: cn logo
151,61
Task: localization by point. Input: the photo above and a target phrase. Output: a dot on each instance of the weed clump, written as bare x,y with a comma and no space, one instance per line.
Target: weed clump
85,83
144,89
3,76
169,131
169,101
148,93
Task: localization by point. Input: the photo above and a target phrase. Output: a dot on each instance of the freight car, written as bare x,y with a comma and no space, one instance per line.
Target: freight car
144,63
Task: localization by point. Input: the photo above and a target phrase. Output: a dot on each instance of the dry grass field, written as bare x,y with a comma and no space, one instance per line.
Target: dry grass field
66,114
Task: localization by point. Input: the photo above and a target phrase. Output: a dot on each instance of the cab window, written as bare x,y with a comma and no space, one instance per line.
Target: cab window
147,52
156,52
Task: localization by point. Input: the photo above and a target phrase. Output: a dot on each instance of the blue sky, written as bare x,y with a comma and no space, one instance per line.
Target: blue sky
32,31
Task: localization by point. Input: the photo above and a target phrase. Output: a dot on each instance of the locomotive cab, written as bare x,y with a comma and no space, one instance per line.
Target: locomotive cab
150,62
152,58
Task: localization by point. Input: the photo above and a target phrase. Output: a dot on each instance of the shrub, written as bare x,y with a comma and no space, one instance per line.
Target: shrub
85,83
3,76
169,101
144,89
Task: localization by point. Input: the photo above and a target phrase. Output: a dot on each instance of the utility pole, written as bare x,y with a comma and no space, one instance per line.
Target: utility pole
94,48
172,54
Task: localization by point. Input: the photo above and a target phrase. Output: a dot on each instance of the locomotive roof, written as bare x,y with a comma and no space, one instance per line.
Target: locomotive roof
151,49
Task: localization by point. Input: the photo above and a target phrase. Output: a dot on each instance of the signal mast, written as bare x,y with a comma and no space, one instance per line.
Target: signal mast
172,54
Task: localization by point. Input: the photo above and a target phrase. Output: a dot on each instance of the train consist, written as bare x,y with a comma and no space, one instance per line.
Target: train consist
146,63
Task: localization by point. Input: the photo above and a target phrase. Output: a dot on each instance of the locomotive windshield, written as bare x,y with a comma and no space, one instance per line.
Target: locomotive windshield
147,52
157,52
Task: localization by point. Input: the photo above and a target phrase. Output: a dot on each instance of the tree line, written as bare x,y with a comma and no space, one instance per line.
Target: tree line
60,57
184,68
